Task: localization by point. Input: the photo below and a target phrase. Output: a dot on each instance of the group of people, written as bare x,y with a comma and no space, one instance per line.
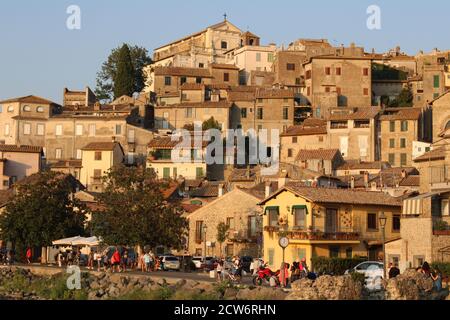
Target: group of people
6,256
433,273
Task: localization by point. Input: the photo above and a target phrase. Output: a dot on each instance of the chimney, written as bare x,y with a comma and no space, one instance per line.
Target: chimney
220,190
268,189
283,180
97,106
352,183
366,179
374,186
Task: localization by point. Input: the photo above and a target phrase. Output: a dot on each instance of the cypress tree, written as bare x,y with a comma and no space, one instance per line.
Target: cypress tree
124,81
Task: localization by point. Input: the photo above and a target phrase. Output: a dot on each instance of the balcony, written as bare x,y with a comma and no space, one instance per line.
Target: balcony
241,237
322,236
96,180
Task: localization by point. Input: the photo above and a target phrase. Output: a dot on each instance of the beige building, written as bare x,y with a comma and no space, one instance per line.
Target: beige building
179,115
354,133
441,115
18,162
324,161
97,159
304,137
399,129
344,81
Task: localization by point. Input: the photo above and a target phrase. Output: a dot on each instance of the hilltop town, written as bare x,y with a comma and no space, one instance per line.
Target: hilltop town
363,158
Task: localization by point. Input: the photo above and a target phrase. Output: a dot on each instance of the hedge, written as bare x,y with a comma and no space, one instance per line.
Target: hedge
443,267
335,266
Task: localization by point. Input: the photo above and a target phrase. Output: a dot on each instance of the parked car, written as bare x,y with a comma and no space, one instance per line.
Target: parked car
198,261
373,272
170,263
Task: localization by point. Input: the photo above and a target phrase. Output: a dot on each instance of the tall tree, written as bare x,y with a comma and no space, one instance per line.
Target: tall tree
124,82
135,211
107,75
42,211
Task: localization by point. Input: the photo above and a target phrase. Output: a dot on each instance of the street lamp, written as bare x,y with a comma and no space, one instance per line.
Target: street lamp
383,220
205,228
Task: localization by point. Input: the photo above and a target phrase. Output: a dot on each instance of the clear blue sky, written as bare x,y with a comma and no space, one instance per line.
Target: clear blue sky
39,55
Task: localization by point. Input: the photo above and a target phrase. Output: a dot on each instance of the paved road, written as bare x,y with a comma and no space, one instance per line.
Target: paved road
169,275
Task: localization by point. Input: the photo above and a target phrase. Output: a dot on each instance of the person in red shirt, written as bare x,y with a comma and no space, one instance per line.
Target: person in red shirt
28,255
115,260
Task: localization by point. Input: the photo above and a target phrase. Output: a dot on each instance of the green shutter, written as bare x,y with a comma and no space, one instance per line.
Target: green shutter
166,173
271,208
437,83
300,208
199,173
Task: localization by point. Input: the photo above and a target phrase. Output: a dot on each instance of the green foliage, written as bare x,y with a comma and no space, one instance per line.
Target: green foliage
443,267
124,79
335,266
211,123
222,233
108,73
135,211
404,99
385,72
42,211
53,288
358,277
441,225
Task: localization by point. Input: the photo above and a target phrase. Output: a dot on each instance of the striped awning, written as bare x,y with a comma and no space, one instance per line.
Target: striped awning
414,206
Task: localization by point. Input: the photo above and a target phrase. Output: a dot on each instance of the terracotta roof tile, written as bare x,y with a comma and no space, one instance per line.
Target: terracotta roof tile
366,113
357,165
207,191
304,131
15,148
224,66
180,71
171,142
28,99
192,86
314,122
241,96
343,196
411,181
67,164
206,104
323,154
274,94
436,154
404,114
101,146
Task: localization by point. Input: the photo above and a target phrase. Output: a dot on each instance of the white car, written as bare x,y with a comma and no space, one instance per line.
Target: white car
199,261
373,272
170,263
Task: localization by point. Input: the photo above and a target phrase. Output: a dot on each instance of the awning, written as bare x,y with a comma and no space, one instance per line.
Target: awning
300,207
66,241
89,242
414,206
271,208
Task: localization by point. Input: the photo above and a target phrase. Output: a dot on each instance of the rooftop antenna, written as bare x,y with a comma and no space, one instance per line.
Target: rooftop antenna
225,16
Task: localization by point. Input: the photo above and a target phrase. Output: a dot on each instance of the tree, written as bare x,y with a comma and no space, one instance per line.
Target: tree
124,82
135,211
42,211
222,234
404,99
211,123
107,75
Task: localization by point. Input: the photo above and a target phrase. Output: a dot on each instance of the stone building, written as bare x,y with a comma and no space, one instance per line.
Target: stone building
303,137
239,210
332,81
441,115
324,161
399,129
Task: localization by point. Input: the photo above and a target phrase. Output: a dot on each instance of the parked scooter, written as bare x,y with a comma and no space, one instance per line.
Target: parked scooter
266,276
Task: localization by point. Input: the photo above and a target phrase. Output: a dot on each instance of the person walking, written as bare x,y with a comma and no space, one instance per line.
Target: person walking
219,270
295,270
98,260
28,255
284,272
105,261
394,271
124,261
147,262
91,260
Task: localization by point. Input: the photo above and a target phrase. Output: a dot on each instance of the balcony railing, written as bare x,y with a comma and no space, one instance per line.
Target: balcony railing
322,236
96,180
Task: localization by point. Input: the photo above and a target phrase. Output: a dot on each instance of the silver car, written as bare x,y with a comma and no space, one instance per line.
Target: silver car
170,263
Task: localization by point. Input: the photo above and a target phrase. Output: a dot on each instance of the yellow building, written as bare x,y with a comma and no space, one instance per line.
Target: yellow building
327,222
97,159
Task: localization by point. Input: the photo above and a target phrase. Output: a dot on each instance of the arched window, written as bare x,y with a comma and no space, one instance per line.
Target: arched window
40,109
447,126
